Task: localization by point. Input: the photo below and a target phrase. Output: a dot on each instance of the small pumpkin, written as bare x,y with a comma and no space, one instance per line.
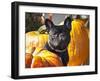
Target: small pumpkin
78,47
28,60
35,39
45,58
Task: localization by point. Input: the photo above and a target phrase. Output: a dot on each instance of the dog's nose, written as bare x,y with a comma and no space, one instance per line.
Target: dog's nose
55,44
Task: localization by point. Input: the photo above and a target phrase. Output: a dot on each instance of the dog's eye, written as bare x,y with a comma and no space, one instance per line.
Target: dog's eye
53,36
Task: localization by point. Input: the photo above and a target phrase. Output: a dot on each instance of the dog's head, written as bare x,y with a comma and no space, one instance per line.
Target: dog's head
59,36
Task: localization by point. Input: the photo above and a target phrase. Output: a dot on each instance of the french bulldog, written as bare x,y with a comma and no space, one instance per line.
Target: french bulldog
59,38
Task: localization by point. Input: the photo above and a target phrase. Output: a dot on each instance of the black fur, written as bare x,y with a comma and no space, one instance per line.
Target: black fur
59,38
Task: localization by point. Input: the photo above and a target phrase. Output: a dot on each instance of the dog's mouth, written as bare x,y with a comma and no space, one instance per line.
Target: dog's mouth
58,48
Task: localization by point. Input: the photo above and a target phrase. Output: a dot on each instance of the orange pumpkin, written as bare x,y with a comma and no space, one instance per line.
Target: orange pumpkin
45,58
35,39
28,60
78,47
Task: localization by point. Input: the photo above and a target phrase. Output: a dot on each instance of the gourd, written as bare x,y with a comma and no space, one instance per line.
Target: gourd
45,58
78,48
35,39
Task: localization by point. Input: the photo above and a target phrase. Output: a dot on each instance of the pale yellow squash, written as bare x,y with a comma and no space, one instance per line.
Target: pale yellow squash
35,39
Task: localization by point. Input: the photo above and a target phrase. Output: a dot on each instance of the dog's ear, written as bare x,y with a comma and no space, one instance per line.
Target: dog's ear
67,23
49,24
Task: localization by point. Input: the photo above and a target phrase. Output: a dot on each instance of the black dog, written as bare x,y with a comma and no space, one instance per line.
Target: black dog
59,38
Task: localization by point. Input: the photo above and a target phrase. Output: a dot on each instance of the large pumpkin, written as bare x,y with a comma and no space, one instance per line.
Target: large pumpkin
78,48
45,58
35,39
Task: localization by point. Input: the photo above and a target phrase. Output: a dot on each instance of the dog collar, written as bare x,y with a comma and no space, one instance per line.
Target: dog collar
57,50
